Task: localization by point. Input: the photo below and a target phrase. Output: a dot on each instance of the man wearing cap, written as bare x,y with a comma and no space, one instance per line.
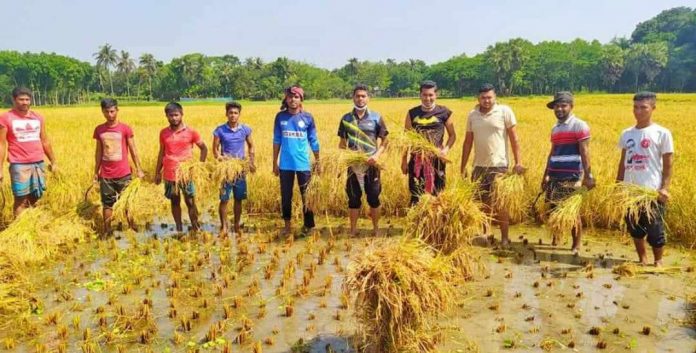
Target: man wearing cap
569,160
427,173
489,127
294,133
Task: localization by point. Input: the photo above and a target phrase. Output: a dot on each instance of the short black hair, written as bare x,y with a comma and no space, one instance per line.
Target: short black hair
107,103
233,104
486,87
645,95
21,91
360,87
428,84
173,107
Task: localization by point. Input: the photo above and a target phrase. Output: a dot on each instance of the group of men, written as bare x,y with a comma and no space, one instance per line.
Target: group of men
646,157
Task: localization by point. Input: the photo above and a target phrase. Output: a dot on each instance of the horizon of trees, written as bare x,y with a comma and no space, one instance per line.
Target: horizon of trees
659,55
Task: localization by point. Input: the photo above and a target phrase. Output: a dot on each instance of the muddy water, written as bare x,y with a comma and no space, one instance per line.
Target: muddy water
176,291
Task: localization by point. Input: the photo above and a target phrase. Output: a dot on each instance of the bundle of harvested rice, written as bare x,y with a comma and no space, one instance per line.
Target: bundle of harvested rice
192,170
508,194
411,141
448,221
230,169
566,215
127,202
636,200
400,289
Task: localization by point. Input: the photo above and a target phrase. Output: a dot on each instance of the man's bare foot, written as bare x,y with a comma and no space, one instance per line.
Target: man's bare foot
505,242
658,263
575,251
554,240
224,232
375,232
285,231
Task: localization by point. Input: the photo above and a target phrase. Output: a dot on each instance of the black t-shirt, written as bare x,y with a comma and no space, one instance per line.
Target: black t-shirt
362,134
430,124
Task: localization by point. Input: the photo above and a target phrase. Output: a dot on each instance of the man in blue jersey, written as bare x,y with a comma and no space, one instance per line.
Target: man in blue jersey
294,133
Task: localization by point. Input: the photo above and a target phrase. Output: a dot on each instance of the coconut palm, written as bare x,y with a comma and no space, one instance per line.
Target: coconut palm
149,66
125,66
106,58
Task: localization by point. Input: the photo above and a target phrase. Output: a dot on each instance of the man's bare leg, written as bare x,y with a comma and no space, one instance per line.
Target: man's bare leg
176,212
21,203
222,211
237,216
374,214
657,253
353,214
107,215
503,219
577,237
192,211
640,249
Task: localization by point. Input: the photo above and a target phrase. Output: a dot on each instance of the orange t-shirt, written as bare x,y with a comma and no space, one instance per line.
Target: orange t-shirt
23,136
178,147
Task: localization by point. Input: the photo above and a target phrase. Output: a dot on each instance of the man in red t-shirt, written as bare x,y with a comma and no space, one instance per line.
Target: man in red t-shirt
176,146
24,133
111,168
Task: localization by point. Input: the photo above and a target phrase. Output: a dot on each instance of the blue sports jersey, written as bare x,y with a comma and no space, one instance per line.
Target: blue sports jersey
295,134
232,141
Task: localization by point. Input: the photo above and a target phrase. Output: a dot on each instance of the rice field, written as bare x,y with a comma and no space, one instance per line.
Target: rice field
152,290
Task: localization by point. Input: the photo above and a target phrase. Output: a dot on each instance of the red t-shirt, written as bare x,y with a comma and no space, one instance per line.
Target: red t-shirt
23,136
114,141
178,147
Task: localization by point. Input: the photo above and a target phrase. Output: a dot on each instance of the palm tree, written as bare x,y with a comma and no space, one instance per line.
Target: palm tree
106,58
149,65
125,66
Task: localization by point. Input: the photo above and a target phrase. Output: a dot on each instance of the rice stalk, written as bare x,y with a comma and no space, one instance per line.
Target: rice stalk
509,194
566,215
227,170
412,142
128,201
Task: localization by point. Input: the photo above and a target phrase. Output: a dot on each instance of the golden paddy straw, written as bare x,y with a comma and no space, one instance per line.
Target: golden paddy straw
411,141
400,289
509,194
448,221
565,216
230,169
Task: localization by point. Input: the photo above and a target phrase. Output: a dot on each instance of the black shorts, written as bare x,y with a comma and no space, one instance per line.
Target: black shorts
416,186
372,186
652,227
486,176
559,190
110,189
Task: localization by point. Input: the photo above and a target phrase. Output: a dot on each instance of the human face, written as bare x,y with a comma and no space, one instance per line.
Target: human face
562,110
293,101
642,110
428,97
361,98
22,103
111,114
486,100
174,118
233,116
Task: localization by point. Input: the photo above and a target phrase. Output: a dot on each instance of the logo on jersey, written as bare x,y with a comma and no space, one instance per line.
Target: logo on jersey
26,130
301,124
645,143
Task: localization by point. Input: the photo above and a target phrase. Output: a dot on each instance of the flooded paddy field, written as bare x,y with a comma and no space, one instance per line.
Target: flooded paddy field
155,291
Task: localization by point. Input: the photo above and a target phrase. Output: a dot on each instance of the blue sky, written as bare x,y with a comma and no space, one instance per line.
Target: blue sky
324,33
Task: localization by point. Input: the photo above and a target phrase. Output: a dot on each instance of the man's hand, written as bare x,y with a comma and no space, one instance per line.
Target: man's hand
372,161
663,195
53,167
252,167
276,170
140,173
158,178
588,182
404,167
544,182
317,168
95,179
519,169
464,172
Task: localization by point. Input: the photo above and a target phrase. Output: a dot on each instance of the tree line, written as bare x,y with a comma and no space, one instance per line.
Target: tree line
660,55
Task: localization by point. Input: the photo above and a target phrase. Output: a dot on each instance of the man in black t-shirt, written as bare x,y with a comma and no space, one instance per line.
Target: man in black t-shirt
427,173
363,130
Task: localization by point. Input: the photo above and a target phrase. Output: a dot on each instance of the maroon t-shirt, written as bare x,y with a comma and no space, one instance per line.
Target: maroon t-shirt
114,141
